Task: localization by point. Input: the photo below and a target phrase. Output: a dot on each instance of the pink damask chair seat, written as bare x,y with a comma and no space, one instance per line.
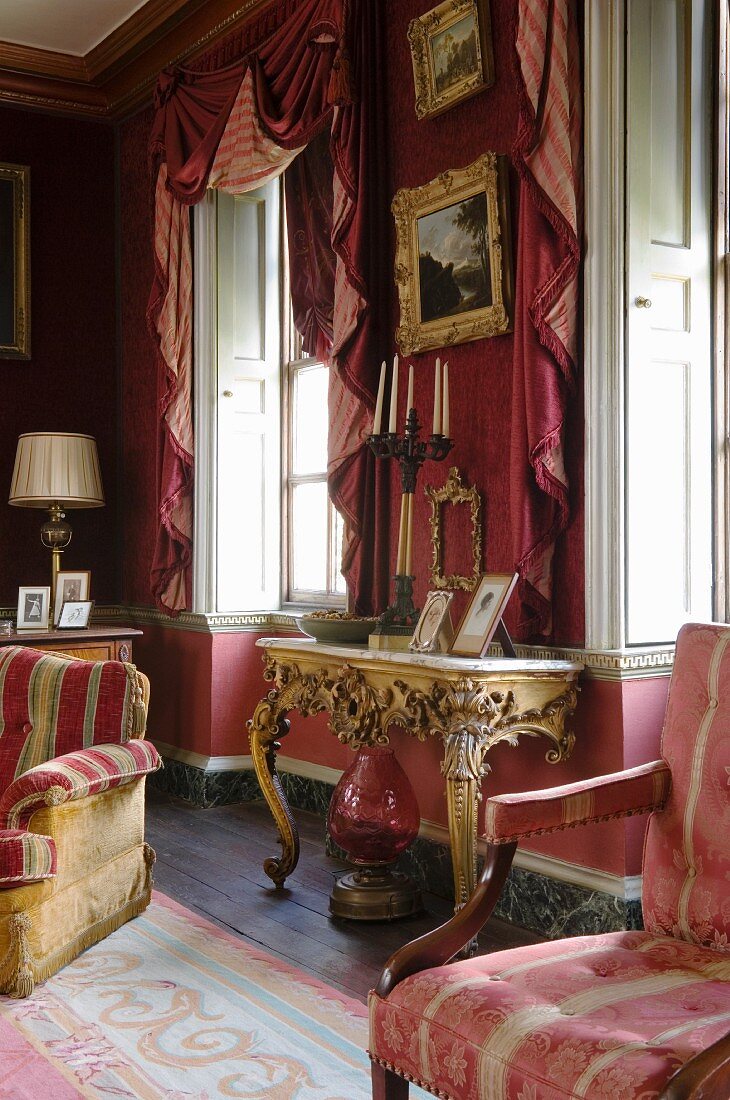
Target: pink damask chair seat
624,1016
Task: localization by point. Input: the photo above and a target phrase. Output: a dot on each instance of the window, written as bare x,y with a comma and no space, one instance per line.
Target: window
265,531
313,528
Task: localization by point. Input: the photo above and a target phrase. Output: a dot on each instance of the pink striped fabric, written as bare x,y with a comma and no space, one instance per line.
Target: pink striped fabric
510,817
173,326
547,155
75,775
246,157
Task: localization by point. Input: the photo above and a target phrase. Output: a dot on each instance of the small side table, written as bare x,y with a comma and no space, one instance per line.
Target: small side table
95,643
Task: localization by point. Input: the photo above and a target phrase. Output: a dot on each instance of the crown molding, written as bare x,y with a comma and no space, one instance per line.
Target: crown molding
118,75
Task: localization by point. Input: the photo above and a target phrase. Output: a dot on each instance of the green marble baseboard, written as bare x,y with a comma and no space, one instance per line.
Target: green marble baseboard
529,899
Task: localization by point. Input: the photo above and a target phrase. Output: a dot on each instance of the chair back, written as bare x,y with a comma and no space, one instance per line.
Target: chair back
52,704
686,890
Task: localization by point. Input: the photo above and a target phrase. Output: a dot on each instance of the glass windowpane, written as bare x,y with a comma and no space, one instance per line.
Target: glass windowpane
310,421
309,537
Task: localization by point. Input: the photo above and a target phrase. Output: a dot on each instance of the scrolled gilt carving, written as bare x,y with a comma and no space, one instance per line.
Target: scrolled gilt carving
454,492
359,711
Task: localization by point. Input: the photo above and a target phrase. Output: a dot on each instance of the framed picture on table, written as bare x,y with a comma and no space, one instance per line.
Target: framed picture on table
435,621
70,588
483,614
33,606
75,614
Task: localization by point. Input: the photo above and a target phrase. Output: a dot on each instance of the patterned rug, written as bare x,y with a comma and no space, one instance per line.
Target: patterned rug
171,1006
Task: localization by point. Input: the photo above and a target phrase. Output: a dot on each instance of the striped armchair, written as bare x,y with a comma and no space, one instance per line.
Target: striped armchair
73,862
623,1016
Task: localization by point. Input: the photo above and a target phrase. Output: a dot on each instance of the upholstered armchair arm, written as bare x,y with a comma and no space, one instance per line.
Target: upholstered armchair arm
704,1077
25,857
509,818
512,817
75,775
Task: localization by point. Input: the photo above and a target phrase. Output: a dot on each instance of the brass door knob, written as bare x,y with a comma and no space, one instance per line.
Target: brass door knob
228,393
641,302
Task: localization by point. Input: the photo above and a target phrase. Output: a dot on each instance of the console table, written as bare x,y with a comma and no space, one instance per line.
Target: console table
470,704
94,643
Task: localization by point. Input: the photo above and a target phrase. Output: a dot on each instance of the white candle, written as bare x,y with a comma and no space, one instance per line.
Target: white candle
379,403
392,427
445,425
409,402
437,399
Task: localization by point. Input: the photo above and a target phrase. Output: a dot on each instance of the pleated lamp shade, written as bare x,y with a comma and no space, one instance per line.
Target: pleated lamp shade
56,467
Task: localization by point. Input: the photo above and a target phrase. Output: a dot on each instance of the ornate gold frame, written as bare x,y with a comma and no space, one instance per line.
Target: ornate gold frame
16,344
454,492
421,31
487,174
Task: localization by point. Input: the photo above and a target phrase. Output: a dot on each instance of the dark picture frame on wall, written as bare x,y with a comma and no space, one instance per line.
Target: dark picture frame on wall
451,50
453,259
14,261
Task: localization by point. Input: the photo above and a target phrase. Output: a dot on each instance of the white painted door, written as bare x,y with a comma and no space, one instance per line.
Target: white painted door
669,318
249,422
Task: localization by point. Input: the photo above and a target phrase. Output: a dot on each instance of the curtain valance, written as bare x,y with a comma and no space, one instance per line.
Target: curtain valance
235,128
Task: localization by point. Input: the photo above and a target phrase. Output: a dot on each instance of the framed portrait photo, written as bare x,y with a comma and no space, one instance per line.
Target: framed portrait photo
33,606
453,258
434,620
483,613
451,50
70,588
75,614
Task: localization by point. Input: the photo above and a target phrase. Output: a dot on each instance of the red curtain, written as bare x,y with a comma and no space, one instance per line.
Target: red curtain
317,71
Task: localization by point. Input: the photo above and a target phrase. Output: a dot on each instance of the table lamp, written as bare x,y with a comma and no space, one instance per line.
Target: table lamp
56,470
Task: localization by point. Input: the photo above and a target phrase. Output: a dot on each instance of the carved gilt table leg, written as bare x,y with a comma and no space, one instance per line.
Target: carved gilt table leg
265,728
463,767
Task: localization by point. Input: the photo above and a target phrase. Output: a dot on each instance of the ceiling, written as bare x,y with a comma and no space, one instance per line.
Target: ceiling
64,26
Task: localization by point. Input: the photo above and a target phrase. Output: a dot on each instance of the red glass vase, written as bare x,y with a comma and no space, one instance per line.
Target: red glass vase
373,813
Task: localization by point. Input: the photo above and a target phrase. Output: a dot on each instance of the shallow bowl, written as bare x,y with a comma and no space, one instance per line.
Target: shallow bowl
337,630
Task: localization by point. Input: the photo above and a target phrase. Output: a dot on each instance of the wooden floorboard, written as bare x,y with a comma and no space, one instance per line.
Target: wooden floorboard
211,861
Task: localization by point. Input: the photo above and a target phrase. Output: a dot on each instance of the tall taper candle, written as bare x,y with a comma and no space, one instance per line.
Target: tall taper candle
445,423
379,403
409,402
402,535
437,399
392,425
409,535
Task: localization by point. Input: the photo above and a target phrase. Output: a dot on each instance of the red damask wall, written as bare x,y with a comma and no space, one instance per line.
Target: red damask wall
481,371
70,384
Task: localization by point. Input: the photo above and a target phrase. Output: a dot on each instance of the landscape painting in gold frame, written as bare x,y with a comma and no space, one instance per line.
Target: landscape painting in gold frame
14,261
453,258
451,50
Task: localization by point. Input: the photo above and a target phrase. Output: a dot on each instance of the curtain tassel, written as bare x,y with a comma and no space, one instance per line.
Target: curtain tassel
340,92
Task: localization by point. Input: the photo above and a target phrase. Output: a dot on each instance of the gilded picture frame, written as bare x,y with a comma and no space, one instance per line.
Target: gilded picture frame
453,259
452,55
454,492
434,622
14,261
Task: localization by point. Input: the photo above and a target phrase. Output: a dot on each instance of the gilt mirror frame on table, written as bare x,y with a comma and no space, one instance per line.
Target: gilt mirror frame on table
14,261
451,50
453,259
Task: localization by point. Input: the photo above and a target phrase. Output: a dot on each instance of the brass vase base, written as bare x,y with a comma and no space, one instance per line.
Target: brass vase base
375,894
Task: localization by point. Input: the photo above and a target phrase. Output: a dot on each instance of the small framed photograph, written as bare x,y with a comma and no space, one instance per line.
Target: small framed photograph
75,614
33,606
483,613
451,50
70,588
429,628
